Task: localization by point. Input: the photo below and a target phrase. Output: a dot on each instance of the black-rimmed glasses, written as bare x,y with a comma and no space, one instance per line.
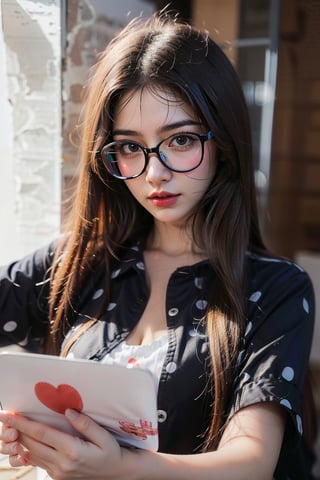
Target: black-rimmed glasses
181,152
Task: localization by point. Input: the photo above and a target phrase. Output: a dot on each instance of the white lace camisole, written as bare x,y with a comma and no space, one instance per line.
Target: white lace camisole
150,356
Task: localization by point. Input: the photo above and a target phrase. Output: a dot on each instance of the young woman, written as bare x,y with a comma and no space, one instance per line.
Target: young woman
164,262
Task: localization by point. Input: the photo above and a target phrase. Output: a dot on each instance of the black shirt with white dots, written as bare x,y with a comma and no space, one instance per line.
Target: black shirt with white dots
271,365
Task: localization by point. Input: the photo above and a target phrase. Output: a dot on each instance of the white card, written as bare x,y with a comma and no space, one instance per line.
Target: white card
41,387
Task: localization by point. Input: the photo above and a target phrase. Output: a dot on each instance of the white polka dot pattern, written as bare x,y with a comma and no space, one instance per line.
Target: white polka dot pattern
280,306
248,329
198,282
115,273
240,357
299,424
10,326
201,304
286,403
255,297
97,294
111,306
305,305
288,374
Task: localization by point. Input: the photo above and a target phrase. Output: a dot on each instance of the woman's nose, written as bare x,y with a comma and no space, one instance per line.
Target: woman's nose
156,171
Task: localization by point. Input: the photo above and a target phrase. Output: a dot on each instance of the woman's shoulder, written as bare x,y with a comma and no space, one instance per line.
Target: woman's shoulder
263,265
38,258
277,275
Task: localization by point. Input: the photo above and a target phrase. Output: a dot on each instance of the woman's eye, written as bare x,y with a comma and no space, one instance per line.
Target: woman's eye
129,148
182,141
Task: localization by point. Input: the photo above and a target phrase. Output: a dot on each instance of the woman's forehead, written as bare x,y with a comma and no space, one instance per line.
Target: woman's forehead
161,94
155,103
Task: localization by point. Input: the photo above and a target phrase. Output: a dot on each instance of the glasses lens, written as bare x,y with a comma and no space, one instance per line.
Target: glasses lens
123,159
181,152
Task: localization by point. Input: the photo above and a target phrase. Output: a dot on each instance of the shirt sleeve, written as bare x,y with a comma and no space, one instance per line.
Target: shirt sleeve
277,341
24,290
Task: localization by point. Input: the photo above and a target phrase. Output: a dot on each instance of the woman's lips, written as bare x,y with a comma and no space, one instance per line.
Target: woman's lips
163,199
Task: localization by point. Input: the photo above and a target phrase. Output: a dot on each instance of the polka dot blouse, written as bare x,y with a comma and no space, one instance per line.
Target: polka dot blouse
272,361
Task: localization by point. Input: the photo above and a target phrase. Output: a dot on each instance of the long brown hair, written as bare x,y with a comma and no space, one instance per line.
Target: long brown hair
163,53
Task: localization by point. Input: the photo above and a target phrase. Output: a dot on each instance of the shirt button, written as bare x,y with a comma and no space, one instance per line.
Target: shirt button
171,367
173,312
201,304
162,416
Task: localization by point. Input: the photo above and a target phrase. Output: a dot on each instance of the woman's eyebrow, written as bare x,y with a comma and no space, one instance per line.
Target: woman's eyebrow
181,123
120,131
165,128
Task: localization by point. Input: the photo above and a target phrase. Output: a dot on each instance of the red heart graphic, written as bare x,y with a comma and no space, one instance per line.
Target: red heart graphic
60,398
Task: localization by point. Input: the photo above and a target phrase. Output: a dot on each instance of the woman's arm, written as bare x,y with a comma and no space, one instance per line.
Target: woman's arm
24,291
249,449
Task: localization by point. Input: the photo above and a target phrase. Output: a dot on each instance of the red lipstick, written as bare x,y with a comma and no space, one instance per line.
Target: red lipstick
163,199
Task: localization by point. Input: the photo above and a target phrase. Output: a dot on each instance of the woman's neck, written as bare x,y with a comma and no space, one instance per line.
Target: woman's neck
172,241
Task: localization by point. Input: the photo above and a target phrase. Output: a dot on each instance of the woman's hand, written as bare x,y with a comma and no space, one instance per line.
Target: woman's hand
249,449
95,456
10,446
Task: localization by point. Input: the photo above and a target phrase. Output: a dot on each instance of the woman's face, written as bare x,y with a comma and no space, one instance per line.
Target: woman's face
148,117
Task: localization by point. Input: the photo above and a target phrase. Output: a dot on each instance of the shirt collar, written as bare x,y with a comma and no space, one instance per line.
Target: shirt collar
130,259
